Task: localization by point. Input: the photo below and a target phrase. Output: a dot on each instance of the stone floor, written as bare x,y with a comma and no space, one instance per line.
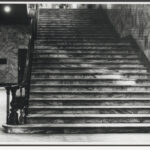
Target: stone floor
100,139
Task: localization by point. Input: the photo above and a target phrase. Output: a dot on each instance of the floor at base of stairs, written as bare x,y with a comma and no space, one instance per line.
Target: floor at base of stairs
60,139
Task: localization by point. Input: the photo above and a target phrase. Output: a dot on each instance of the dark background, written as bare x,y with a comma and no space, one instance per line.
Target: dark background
18,14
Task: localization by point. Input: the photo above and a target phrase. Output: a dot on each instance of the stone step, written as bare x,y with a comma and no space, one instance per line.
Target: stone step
74,26
89,101
107,44
79,67
89,94
89,110
102,71
85,66
88,87
85,63
72,19
48,81
88,118
84,56
56,34
84,47
90,75
86,60
54,38
83,52
72,41
65,128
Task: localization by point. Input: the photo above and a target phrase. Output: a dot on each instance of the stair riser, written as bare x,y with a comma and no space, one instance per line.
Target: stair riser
103,49
71,21
71,35
87,120
69,60
89,111
89,45
71,41
46,65
88,103
88,95
74,27
79,44
75,130
93,82
107,88
74,39
84,55
104,71
52,76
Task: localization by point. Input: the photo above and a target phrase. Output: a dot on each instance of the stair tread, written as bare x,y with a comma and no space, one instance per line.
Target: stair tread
89,115
89,73
88,107
90,92
87,79
81,125
92,99
88,85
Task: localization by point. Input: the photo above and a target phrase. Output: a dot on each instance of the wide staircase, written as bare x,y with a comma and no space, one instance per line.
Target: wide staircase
84,78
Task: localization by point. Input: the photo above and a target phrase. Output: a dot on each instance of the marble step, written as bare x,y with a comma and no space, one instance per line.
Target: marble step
83,52
90,75
70,24
112,44
52,34
89,101
102,71
65,128
85,66
76,35
84,56
74,41
88,118
63,81
87,63
89,110
72,19
88,87
55,38
89,94
74,26
90,68
83,44
86,60
103,46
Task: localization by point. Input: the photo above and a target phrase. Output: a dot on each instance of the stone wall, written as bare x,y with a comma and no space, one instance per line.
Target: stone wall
11,38
132,20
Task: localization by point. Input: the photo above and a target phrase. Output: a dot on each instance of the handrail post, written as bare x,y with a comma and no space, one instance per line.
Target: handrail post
7,103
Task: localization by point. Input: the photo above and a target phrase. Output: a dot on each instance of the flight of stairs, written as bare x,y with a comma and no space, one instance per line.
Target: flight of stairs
84,78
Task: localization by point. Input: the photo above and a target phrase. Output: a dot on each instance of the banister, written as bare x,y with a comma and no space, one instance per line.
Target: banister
21,102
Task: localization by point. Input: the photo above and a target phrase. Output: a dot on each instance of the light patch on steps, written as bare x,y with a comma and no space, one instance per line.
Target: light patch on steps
126,82
109,76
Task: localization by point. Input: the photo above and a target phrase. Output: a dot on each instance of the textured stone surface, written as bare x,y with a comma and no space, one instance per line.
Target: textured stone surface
132,20
12,37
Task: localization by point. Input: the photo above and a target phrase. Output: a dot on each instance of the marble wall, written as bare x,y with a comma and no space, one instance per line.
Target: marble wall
12,37
132,20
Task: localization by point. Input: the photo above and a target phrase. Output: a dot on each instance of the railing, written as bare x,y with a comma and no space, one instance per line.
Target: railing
17,108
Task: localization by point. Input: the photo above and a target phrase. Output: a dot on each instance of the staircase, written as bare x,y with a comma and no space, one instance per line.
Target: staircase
84,78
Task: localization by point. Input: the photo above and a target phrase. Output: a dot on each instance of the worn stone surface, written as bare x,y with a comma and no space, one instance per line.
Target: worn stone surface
132,20
11,38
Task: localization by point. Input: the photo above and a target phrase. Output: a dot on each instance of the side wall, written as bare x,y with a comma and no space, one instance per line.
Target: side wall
132,20
11,38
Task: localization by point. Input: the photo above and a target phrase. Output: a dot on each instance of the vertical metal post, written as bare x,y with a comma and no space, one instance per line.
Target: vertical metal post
8,104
